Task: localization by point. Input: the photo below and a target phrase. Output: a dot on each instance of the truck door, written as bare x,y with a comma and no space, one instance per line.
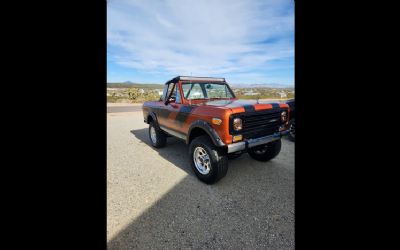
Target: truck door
163,111
175,107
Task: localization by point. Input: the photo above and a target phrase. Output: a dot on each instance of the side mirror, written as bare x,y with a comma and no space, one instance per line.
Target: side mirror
171,99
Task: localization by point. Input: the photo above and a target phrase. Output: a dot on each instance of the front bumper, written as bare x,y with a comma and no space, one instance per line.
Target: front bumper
243,145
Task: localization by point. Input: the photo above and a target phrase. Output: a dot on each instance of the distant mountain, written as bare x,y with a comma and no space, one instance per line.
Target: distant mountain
129,84
262,85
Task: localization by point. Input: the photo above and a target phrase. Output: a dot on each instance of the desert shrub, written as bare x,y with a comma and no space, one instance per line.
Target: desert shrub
112,99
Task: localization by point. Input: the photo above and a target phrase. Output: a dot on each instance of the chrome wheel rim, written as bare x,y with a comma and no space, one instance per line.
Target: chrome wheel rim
153,135
201,160
261,150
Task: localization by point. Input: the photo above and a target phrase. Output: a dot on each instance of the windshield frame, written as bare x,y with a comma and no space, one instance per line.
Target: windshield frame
202,85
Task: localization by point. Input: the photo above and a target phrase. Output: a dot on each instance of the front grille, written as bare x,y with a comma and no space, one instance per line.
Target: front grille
258,123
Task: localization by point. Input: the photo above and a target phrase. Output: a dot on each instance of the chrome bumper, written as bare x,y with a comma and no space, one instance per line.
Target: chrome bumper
239,146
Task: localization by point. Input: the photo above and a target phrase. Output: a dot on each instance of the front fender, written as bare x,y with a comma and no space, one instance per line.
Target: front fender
208,129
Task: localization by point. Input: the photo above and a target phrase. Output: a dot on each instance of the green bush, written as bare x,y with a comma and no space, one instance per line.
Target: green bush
134,95
112,99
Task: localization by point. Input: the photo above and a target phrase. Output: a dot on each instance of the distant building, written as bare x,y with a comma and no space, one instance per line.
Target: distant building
250,93
283,94
141,91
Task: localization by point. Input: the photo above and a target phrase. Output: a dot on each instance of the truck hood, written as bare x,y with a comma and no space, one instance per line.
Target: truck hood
232,103
240,105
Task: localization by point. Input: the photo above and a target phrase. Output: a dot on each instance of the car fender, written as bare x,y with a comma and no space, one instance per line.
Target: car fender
154,117
208,129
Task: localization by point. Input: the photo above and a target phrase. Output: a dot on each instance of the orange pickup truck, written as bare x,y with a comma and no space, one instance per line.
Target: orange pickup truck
206,115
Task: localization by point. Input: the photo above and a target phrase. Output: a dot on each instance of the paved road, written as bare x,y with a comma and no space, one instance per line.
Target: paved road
154,200
130,108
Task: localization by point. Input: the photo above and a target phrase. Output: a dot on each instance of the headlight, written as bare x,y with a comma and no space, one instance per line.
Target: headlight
237,124
284,116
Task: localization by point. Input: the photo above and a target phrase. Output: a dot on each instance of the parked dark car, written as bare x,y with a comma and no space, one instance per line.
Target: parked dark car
291,119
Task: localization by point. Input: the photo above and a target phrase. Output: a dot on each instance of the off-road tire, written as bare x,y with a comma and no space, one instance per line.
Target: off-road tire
218,159
235,155
292,130
160,136
271,150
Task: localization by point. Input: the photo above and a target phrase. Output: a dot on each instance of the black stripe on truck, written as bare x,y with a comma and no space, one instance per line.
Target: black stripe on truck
184,113
249,108
275,105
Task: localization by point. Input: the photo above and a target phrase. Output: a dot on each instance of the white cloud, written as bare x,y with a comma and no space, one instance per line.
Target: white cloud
203,37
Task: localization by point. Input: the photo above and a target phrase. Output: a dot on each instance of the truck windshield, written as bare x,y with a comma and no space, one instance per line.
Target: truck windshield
206,90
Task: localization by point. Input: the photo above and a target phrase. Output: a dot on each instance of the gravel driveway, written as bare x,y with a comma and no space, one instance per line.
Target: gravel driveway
154,200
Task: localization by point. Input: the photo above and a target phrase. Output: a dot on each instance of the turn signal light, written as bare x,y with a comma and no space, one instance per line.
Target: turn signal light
237,138
216,121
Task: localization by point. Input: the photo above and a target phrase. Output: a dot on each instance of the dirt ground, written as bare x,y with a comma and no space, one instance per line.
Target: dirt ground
154,200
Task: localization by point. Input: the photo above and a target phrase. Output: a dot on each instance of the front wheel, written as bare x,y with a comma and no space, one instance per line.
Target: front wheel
266,152
292,130
208,162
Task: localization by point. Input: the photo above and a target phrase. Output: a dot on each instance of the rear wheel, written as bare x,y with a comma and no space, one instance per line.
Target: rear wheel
208,162
266,152
157,137
235,155
292,130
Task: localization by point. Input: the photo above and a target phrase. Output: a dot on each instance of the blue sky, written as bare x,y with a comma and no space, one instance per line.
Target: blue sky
244,41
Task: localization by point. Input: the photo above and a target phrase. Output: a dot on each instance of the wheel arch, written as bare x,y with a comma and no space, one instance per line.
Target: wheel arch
151,117
199,128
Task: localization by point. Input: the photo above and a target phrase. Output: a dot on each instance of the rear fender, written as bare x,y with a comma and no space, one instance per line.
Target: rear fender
154,117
